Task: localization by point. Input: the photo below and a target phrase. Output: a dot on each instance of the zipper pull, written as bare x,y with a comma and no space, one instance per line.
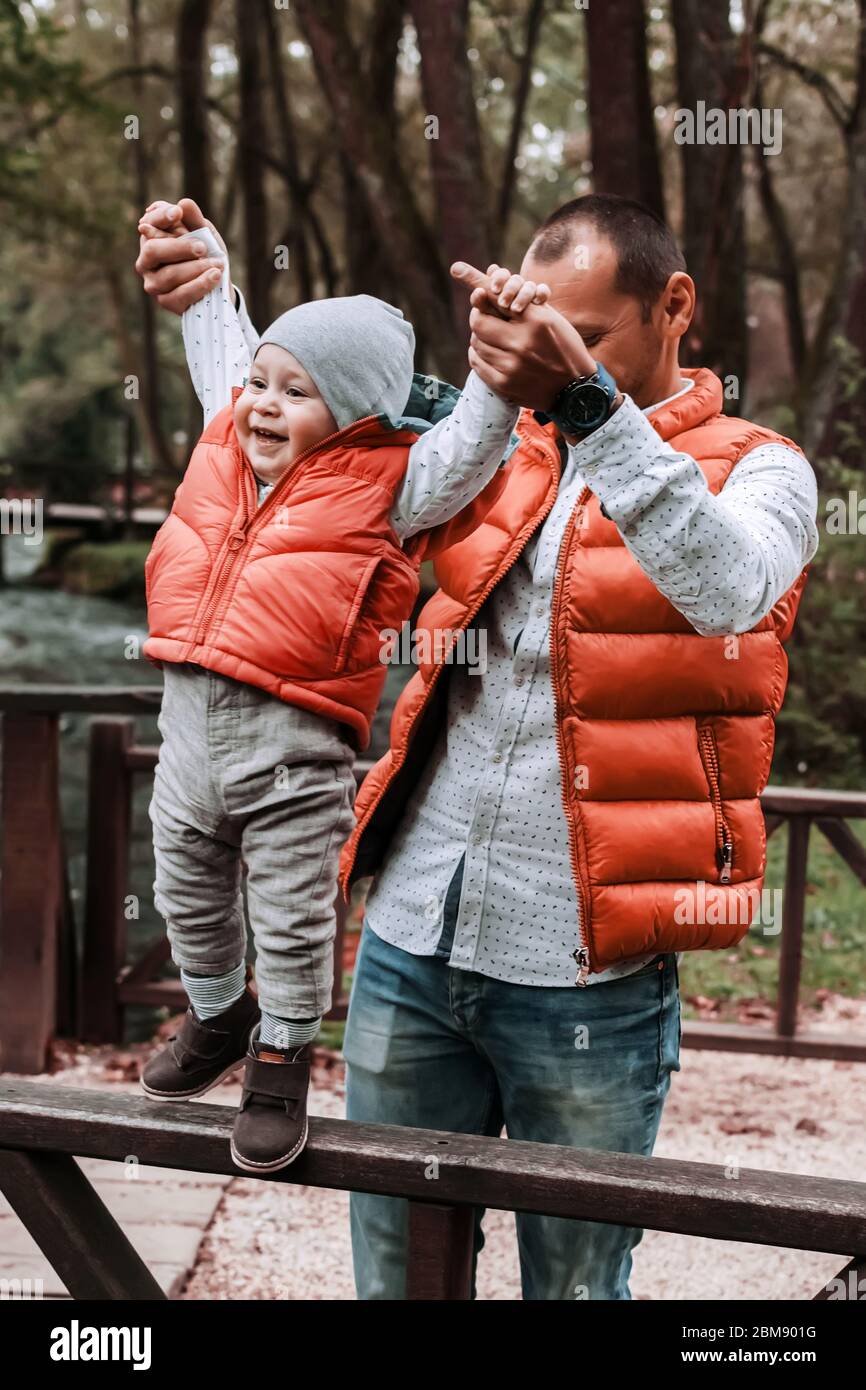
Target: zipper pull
727,861
581,956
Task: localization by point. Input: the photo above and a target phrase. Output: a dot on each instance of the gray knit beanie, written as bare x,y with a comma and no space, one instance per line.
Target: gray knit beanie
358,350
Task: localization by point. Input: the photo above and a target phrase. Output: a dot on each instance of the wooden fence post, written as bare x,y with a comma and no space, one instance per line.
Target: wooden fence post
109,806
793,913
29,890
439,1263
338,1005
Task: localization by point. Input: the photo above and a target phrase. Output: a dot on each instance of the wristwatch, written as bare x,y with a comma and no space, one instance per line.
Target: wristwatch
584,403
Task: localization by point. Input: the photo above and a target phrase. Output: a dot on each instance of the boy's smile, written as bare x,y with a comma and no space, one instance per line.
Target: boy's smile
280,413
266,437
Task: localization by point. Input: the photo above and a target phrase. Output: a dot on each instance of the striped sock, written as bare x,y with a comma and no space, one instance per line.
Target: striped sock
212,994
284,1033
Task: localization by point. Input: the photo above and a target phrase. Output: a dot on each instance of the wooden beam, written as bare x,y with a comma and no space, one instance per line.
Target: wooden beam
153,994
741,1037
73,1227
143,970
813,801
141,758
793,1210
80,699
845,843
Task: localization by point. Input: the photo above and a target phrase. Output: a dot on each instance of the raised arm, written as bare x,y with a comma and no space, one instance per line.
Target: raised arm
183,262
452,463
454,460
217,352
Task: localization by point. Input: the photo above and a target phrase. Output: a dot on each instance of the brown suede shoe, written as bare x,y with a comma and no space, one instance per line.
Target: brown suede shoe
202,1052
271,1125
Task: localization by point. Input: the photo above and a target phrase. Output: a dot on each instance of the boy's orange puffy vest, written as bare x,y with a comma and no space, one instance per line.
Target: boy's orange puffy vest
292,596
665,737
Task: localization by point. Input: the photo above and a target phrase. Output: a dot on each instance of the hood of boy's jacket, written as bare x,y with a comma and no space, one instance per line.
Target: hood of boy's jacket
431,400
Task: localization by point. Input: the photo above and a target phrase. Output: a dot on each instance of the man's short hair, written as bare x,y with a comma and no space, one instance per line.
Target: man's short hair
646,250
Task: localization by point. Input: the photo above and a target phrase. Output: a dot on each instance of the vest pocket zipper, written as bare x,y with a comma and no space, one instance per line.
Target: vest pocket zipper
350,627
724,842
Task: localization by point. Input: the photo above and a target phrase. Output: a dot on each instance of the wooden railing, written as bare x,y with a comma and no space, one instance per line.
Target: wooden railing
44,990
444,1176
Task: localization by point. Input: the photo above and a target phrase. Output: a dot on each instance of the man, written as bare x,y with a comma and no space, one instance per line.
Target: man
545,837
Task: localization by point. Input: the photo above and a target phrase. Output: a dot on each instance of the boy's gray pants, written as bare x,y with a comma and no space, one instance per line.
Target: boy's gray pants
243,778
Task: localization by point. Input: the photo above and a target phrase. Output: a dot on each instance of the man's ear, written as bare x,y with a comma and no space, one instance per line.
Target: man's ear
678,305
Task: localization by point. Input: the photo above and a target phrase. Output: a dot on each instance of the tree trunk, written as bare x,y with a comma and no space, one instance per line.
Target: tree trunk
369,270
625,156
299,186
134,352
251,138
148,373
366,140
826,416
518,113
712,67
459,186
192,24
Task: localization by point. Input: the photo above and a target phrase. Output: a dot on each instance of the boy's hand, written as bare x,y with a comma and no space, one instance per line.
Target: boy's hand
499,292
527,357
174,273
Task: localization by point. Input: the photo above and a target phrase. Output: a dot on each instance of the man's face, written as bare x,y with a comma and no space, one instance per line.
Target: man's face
280,413
583,290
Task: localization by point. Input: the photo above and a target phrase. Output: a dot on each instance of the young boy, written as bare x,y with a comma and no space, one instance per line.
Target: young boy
294,541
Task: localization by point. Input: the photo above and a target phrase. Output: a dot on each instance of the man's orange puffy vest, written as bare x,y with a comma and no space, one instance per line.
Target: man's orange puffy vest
665,737
291,596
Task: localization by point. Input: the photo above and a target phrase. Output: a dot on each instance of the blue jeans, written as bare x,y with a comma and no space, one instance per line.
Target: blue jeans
430,1046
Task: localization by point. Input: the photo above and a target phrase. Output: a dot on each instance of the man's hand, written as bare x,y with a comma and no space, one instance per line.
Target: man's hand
498,291
174,272
526,359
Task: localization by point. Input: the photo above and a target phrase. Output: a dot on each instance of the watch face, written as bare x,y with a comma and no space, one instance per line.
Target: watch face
587,405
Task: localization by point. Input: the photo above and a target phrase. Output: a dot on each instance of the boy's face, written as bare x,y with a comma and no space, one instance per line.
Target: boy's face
279,413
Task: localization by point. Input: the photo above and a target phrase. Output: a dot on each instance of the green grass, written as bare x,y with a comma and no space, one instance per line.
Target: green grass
834,937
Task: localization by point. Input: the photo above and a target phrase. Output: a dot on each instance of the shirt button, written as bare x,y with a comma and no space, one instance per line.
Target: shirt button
478,839
540,609
518,680
630,530
496,757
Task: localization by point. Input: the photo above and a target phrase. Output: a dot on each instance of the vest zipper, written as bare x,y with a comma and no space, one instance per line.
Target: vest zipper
236,541
582,955
724,843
